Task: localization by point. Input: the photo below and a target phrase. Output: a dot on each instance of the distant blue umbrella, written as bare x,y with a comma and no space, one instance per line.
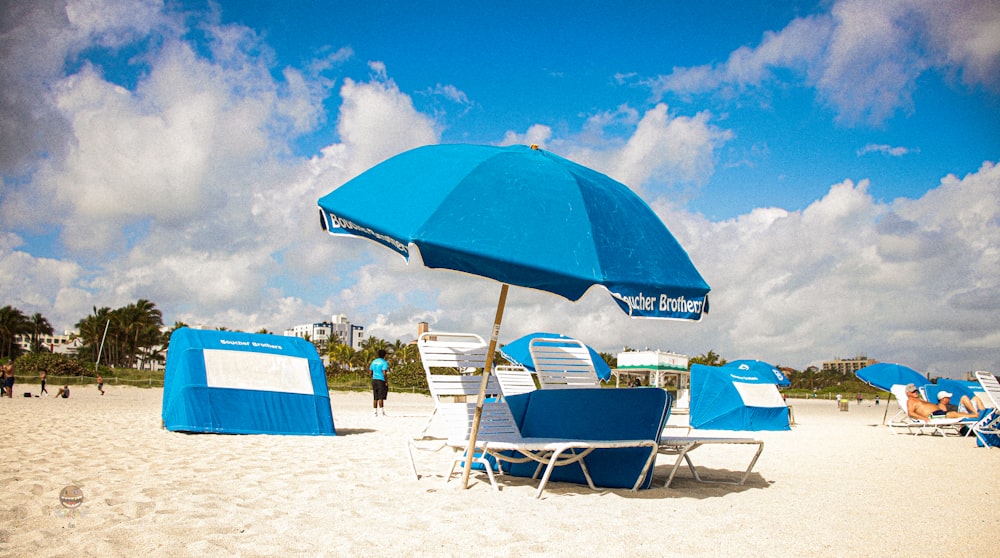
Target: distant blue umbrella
760,369
884,375
517,351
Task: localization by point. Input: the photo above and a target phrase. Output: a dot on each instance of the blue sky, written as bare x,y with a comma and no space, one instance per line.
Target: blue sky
829,166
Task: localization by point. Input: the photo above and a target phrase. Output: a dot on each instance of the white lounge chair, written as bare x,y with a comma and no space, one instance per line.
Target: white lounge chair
514,380
449,361
902,419
682,446
453,364
562,363
500,437
989,425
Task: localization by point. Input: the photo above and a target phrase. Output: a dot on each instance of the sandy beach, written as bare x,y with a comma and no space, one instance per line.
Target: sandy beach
837,484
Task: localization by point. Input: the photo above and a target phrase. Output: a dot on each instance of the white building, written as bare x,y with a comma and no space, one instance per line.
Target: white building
338,328
65,344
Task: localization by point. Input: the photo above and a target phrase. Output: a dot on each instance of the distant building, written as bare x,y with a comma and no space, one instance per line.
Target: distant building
847,366
654,366
65,344
338,328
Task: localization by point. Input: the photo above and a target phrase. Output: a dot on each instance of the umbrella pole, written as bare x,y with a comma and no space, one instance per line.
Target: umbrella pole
886,413
471,449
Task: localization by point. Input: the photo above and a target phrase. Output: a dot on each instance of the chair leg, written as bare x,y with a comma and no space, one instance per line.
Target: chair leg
413,464
482,461
653,450
545,478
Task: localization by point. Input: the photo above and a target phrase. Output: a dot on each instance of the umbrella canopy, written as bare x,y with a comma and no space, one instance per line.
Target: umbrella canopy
884,375
517,351
521,216
957,388
525,217
760,369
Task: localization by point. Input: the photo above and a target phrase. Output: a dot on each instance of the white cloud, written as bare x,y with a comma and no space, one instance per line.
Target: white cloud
379,105
797,47
892,151
451,93
184,191
863,58
180,189
537,134
662,150
848,275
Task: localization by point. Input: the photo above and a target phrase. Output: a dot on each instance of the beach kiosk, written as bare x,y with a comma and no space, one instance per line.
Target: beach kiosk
661,369
229,382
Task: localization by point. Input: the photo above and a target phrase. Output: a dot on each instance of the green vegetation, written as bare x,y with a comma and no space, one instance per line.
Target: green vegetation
131,341
52,364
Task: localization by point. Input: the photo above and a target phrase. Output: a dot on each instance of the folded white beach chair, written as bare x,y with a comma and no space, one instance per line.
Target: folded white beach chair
902,419
989,425
682,446
453,363
461,353
500,438
449,361
514,380
562,363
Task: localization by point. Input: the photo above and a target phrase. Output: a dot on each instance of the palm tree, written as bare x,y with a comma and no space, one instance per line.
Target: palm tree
91,331
709,359
39,326
340,355
142,330
130,335
13,322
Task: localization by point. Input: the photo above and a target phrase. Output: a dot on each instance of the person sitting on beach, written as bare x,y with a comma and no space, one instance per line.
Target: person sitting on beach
924,410
944,403
63,392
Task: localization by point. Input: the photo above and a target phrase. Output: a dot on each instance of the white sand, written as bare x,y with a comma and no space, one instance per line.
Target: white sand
836,485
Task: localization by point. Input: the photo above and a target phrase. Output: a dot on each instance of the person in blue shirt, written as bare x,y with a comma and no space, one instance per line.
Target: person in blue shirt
380,382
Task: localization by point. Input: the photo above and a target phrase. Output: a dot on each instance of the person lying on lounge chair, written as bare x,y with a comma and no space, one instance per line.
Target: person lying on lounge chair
924,410
975,405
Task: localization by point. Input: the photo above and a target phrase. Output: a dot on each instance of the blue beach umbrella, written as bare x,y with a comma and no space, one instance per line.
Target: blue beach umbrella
884,375
760,369
518,352
522,216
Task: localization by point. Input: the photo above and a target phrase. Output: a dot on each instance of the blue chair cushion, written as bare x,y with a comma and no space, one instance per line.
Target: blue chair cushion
594,414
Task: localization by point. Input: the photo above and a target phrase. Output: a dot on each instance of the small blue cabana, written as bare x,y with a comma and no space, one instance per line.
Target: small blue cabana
724,398
230,382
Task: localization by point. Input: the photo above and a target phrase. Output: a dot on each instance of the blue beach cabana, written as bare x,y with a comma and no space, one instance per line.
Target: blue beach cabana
725,398
229,382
